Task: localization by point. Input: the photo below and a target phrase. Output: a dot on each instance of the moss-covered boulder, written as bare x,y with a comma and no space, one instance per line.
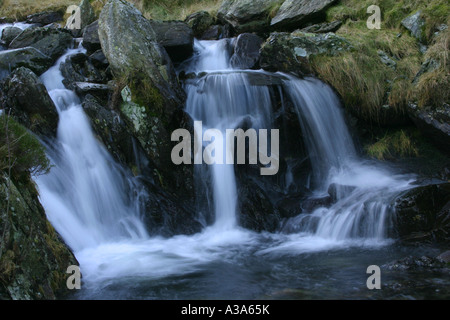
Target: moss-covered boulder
33,259
135,56
248,15
199,22
297,13
291,52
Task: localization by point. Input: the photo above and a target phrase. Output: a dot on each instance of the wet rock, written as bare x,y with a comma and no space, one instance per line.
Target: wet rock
26,96
100,91
9,33
111,130
51,42
423,213
338,191
216,32
80,68
246,51
290,52
91,40
414,264
199,22
45,18
29,57
247,15
176,37
294,14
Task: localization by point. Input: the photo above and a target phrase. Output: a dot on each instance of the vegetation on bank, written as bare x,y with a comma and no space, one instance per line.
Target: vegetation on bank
20,151
151,9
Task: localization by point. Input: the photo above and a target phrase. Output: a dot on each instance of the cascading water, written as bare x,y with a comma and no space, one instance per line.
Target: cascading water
95,205
88,197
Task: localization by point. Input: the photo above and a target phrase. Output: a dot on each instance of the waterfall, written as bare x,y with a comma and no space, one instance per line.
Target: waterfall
88,197
96,205
225,98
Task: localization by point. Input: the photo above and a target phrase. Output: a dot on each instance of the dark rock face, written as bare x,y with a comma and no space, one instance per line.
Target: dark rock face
246,51
51,42
26,96
29,57
434,123
111,130
91,40
33,259
423,213
45,18
296,13
176,37
216,32
80,68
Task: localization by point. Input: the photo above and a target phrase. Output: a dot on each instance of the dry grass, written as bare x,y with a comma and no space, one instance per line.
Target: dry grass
20,9
152,9
393,145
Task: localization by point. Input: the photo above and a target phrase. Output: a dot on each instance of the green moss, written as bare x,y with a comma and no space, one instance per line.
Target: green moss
20,150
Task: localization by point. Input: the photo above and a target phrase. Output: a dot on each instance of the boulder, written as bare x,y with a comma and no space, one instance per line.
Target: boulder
176,37
290,52
246,51
29,57
152,94
45,18
130,45
423,213
9,33
51,42
294,14
247,15
33,258
199,22
91,40
26,96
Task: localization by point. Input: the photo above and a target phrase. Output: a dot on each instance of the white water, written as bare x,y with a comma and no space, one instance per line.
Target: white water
95,205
